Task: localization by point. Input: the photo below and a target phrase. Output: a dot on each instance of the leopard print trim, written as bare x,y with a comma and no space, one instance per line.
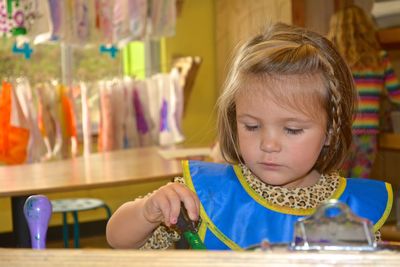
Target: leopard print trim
162,238
299,198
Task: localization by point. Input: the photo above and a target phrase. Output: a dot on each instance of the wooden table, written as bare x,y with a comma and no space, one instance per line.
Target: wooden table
95,171
174,258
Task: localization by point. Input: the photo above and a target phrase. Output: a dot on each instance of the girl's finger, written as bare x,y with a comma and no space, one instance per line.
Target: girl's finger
164,206
190,200
174,205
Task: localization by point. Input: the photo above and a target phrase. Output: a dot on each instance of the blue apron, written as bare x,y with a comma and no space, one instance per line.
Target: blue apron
234,216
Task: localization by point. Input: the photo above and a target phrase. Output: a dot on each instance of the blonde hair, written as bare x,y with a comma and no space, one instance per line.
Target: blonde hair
353,32
289,50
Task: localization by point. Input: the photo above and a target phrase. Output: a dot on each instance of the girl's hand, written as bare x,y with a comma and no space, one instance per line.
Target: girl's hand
164,204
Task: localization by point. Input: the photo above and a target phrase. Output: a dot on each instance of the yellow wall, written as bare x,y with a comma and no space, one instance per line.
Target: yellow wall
238,20
195,36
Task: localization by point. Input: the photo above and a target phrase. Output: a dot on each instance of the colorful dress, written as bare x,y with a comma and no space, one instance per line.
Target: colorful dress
371,85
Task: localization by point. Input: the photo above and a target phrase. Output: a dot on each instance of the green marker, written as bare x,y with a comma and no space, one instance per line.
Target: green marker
188,230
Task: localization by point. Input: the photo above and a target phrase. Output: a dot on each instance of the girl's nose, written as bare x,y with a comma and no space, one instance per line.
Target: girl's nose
270,144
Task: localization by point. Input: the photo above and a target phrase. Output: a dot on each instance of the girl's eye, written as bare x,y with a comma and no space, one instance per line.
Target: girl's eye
251,127
293,131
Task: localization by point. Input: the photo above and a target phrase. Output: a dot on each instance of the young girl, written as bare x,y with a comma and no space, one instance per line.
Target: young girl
284,120
353,32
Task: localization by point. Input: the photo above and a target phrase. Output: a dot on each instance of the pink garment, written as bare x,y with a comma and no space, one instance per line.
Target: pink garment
86,122
5,23
106,139
163,18
104,19
131,135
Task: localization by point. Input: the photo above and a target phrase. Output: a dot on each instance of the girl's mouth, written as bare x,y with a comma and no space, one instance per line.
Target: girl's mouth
270,165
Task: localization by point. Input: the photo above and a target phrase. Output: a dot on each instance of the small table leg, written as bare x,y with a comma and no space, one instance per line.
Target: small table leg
20,226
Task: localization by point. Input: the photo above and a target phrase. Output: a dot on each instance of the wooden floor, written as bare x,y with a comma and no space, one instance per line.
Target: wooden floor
85,242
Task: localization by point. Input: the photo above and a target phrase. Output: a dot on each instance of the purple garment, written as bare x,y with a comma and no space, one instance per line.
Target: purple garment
141,123
164,116
56,17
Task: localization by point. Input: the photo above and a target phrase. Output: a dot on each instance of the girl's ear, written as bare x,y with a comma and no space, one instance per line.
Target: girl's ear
328,138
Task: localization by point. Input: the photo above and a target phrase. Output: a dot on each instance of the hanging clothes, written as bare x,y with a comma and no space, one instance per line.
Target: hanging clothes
106,136
39,26
144,123
82,22
57,17
68,123
13,138
162,19
85,121
24,98
49,121
169,107
5,24
104,10
131,135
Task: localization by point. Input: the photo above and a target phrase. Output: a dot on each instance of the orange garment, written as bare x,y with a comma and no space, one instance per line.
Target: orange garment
68,112
13,139
66,117
40,119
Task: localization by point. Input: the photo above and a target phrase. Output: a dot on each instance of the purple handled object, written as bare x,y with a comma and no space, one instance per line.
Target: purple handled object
37,210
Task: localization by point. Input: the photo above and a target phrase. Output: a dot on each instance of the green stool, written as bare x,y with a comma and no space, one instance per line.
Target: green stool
74,205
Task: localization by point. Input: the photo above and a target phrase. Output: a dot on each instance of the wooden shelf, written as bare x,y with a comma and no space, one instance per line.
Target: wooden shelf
390,38
389,141
390,233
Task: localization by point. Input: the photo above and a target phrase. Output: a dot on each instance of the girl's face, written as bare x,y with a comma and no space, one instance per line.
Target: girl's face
278,143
